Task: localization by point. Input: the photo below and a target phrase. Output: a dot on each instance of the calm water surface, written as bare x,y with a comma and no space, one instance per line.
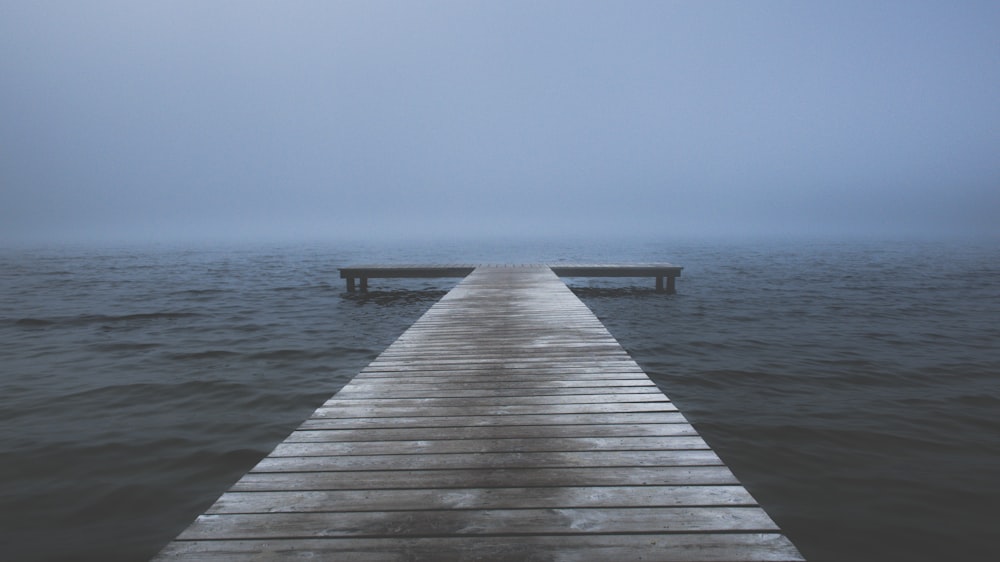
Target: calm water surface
854,388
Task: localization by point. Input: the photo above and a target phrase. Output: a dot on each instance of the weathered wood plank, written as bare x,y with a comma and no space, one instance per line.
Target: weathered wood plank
525,387
490,460
345,410
487,478
548,373
495,420
748,547
526,362
482,498
544,373
432,391
568,371
439,446
480,522
555,433
472,354
464,402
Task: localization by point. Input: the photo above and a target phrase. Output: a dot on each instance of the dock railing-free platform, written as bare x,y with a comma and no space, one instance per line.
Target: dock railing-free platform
661,271
505,424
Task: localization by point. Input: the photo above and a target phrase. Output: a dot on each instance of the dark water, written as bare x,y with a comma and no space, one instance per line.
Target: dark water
854,388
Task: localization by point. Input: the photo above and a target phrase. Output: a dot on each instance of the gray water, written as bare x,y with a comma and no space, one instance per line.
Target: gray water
854,388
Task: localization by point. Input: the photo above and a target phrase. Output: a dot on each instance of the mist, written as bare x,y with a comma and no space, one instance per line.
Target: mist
193,121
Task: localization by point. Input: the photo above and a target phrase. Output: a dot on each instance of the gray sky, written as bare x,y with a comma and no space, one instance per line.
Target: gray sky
150,121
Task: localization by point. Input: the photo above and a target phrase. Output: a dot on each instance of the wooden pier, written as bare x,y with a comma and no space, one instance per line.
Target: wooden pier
505,424
661,271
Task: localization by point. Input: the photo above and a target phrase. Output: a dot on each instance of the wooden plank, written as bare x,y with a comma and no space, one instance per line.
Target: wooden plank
458,344
480,522
748,547
439,446
487,478
499,362
575,370
482,498
488,371
346,410
556,433
511,378
431,391
524,398
495,420
505,424
490,460
527,388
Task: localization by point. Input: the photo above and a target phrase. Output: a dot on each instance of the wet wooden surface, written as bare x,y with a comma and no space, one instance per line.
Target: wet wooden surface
505,424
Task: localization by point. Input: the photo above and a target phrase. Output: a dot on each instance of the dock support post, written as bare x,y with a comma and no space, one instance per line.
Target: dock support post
671,287
364,284
350,284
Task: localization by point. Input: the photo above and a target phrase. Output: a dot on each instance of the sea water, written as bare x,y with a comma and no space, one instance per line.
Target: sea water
853,387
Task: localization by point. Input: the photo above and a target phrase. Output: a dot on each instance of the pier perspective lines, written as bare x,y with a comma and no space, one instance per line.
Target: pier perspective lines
505,424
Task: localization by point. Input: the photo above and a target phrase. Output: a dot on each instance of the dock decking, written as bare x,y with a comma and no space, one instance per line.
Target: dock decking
505,424
660,271
366,272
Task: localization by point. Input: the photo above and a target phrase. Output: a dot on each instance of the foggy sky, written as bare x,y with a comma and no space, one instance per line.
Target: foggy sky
149,121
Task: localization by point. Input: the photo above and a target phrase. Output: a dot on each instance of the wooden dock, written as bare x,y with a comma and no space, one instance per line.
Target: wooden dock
505,424
661,271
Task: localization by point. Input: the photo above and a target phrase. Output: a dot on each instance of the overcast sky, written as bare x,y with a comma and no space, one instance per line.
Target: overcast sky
151,121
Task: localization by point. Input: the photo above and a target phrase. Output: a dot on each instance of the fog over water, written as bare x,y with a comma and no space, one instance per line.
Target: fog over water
164,121
179,182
